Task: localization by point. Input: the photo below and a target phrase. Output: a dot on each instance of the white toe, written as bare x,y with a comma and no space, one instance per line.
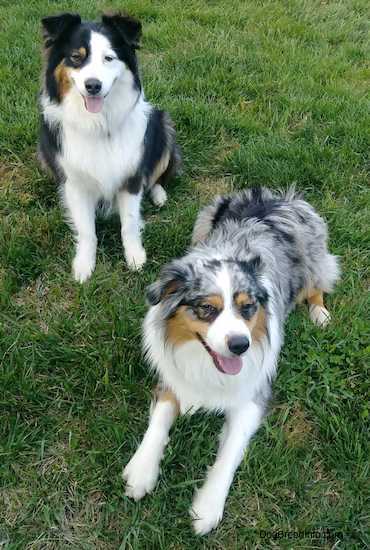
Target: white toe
206,511
140,476
319,315
135,256
82,267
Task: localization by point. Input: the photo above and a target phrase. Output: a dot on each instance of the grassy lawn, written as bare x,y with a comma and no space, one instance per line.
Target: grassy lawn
261,92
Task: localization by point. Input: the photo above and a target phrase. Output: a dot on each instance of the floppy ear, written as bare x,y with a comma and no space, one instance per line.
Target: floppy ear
170,288
127,27
56,25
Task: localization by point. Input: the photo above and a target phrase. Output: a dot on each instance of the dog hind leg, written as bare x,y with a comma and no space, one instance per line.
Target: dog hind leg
317,311
129,205
158,195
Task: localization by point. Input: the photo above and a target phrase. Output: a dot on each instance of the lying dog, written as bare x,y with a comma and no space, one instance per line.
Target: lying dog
99,136
216,326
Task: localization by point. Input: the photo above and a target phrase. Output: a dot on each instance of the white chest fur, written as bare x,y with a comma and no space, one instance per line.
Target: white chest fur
100,150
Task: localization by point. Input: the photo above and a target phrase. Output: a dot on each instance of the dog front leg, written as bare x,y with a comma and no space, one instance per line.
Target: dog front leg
141,473
129,204
81,205
209,501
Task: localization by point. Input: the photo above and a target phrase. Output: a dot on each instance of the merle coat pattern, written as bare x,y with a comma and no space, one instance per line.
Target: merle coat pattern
215,327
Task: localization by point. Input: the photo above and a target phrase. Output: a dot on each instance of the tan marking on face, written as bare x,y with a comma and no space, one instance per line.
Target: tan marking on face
214,300
259,329
160,167
82,51
257,324
182,327
63,79
242,299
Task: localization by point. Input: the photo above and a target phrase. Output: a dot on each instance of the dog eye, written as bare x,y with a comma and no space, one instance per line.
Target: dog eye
108,58
206,312
76,58
248,310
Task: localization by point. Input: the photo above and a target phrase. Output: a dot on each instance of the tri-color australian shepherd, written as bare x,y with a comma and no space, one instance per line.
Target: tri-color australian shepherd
216,323
99,136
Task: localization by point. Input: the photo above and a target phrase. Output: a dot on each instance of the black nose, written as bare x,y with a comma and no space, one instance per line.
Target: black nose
238,344
93,86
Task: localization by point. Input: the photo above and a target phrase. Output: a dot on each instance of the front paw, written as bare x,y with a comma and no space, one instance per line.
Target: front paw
82,267
135,256
140,476
207,510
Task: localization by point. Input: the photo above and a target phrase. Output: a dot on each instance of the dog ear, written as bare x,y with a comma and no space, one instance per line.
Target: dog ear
55,25
127,27
171,286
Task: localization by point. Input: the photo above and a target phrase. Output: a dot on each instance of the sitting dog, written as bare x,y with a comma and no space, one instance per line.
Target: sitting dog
99,136
216,326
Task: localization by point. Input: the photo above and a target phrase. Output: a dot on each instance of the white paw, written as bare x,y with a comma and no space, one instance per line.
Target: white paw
135,256
82,266
319,315
140,476
207,510
158,194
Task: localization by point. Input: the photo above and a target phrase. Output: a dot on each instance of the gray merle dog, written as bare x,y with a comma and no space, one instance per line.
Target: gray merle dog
216,326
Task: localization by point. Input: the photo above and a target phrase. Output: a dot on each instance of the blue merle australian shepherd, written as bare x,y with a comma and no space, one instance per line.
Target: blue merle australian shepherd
215,327
99,136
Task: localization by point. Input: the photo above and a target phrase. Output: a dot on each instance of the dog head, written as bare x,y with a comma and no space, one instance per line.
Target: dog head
90,58
221,304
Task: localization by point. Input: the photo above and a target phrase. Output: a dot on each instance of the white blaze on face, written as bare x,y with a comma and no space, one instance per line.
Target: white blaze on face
227,324
102,65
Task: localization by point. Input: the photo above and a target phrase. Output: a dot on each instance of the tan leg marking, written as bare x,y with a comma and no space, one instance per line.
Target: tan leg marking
161,395
318,312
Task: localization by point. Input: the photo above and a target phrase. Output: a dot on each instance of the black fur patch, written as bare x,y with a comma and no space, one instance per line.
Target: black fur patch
155,146
221,210
134,184
123,32
155,141
49,147
255,207
213,265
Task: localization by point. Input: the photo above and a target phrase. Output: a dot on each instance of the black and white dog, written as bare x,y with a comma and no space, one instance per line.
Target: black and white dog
99,136
216,326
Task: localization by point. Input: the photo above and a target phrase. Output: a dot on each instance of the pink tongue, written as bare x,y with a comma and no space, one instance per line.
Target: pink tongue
229,365
93,104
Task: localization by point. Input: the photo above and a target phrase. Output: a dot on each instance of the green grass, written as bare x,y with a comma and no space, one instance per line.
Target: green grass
262,92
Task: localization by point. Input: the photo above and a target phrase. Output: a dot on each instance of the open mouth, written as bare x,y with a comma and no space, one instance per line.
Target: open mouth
226,365
93,104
